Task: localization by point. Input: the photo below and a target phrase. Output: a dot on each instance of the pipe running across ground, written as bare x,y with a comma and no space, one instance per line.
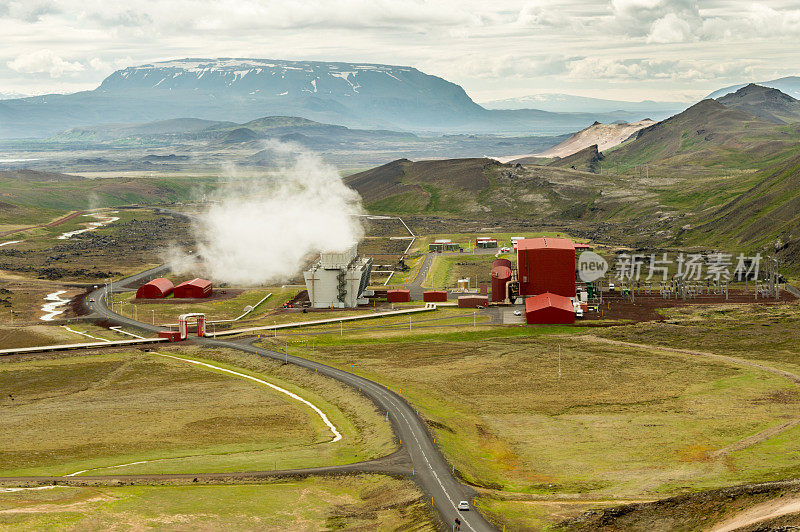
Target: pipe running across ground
336,434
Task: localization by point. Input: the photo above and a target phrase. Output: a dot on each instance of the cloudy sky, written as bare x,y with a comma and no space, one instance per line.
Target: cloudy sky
623,49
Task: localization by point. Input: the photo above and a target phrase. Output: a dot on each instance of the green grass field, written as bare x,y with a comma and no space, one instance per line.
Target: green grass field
167,310
77,412
619,424
35,335
359,502
447,270
67,195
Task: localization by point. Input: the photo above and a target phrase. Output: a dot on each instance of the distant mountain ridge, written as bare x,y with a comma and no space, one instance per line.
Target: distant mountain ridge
194,128
788,85
566,103
357,95
764,103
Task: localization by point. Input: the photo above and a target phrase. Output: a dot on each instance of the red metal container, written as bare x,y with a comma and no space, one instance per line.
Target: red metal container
155,289
546,265
472,301
501,275
549,308
434,296
501,262
173,336
398,296
196,288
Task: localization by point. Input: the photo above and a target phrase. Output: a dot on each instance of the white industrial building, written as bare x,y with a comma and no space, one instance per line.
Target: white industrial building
338,279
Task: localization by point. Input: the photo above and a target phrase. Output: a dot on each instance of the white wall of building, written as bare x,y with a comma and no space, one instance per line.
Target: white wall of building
324,278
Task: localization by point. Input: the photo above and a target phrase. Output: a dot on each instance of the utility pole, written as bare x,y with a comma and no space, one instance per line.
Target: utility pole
559,361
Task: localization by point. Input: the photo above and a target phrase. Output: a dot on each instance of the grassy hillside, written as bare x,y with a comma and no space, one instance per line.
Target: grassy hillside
767,216
62,192
707,135
476,187
764,103
452,185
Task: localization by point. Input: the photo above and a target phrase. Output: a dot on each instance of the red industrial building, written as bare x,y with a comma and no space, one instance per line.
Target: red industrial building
196,288
473,301
398,296
434,296
549,308
546,265
501,275
155,289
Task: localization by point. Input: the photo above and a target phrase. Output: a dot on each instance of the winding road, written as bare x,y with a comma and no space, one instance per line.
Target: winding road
430,470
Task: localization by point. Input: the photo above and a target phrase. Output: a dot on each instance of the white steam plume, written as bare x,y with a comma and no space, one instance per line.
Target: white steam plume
179,261
260,231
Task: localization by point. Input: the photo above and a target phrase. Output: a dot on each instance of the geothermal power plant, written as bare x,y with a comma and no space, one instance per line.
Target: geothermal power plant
338,279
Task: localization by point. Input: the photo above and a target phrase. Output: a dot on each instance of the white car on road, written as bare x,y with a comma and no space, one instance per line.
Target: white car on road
463,505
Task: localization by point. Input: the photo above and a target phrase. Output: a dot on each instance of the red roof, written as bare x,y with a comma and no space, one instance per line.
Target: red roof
199,283
545,243
158,287
548,300
582,246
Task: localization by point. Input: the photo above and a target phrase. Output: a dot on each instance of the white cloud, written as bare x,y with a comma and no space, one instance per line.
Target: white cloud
658,21
44,61
503,66
520,45
670,28
98,64
536,14
682,70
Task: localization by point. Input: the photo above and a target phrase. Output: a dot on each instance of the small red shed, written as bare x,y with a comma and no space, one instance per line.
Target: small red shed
398,296
473,301
549,308
155,289
434,296
172,336
196,288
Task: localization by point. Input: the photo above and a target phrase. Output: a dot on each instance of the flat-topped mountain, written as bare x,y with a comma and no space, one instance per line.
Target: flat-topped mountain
357,95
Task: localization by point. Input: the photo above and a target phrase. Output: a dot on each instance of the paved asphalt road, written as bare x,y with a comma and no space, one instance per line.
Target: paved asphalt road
431,471
415,286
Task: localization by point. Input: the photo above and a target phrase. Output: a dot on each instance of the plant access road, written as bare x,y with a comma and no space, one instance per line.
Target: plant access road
430,470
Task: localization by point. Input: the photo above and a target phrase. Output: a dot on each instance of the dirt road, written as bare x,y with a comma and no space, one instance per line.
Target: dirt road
760,513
